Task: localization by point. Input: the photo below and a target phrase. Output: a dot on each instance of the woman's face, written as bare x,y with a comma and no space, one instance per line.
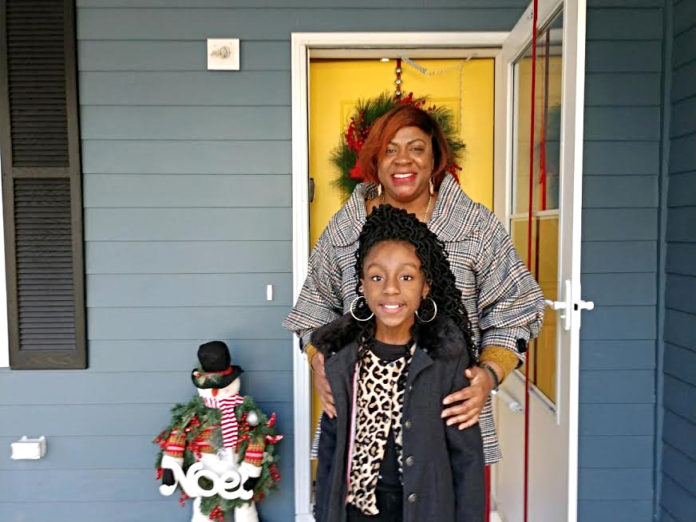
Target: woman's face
407,164
394,285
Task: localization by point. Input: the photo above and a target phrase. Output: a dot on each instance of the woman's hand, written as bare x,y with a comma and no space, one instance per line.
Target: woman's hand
321,385
470,400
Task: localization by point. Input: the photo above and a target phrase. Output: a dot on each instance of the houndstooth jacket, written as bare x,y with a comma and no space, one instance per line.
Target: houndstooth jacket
502,299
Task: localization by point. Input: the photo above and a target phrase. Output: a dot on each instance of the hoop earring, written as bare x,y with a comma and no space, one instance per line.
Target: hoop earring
434,312
431,186
352,311
379,190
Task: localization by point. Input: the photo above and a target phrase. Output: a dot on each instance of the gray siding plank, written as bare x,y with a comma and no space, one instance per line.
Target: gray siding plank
618,256
617,419
616,510
620,191
680,363
683,47
617,387
682,189
683,117
276,24
607,323
145,419
135,452
628,89
620,158
680,468
680,501
615,484
149,55
680,223
184,88
680,433
680,259
195,224
133,387
610,24
684,81
189,290
622,123
172,354
679,328
295,4
110,510
172,257
679,398
684,16
618,355
680,292
682,154
185,157
185,123
627,224
200,190
620,289
617,452
633,56
243,322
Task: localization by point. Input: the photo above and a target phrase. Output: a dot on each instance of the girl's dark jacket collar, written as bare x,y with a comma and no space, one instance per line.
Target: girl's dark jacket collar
441,338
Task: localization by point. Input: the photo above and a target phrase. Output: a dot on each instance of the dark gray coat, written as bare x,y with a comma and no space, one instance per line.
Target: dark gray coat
443,480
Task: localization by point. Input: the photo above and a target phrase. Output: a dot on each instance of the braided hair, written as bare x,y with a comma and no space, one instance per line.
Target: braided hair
387,223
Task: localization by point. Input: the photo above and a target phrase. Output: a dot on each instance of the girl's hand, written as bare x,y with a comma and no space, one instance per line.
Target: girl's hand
321,385
470,400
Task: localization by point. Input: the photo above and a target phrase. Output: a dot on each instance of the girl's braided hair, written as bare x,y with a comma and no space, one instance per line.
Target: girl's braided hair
387,223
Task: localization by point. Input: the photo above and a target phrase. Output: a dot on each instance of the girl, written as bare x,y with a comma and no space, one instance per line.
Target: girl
404,346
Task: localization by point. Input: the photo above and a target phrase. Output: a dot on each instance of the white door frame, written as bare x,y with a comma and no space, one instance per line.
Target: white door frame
301,45
570,197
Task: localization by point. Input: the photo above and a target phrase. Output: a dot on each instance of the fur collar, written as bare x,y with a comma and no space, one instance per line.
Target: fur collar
440,338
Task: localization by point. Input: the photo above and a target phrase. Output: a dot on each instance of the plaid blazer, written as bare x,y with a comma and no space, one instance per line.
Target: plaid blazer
502,299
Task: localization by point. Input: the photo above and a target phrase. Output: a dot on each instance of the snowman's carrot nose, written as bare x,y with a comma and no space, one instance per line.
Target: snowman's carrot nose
214,391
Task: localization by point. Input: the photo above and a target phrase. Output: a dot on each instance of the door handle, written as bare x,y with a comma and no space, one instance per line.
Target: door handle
567,307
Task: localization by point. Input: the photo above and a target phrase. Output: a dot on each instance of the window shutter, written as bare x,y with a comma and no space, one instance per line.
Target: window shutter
41,185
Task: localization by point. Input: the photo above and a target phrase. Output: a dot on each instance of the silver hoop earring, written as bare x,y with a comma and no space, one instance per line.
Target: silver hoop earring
434,312
352,311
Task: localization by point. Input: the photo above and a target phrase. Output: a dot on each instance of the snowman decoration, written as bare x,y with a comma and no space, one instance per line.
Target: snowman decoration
219,448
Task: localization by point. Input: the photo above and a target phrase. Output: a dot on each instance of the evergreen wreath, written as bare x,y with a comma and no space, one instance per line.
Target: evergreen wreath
192,418
345,155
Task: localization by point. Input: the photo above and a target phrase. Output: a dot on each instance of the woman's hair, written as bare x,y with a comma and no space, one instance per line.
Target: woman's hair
387,223
386,127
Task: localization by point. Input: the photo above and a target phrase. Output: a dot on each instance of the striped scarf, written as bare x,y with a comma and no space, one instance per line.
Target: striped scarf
228,423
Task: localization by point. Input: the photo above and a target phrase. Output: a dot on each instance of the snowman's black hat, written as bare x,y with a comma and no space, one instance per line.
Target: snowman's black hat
215,370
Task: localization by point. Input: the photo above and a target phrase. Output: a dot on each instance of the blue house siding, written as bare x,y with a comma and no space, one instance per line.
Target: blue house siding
679,433
620,260
187,203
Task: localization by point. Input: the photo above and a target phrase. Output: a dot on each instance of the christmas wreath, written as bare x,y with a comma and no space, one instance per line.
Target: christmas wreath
345,155
254,426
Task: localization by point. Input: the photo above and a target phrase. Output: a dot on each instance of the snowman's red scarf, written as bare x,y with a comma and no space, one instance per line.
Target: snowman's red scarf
228,424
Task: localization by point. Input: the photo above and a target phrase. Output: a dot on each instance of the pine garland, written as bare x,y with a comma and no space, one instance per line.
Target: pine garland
345,155
193,418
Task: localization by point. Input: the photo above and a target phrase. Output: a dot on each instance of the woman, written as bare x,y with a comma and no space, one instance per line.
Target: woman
404,161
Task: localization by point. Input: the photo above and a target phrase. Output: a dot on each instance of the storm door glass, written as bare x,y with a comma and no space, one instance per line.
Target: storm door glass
535,234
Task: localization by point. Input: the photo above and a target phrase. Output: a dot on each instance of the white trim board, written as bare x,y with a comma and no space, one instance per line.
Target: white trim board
301,46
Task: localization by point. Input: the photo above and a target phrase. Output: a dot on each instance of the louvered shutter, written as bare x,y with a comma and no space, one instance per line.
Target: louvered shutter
41,185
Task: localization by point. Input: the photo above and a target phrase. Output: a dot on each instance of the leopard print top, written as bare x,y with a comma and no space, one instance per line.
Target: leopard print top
379,404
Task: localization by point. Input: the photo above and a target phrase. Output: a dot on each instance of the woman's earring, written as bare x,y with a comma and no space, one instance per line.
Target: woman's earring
379,190
431,186
352,310
434,311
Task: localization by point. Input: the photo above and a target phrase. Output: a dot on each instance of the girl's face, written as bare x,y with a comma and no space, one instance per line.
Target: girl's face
394,285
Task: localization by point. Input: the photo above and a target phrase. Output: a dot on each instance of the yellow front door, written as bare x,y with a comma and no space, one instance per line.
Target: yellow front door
464,86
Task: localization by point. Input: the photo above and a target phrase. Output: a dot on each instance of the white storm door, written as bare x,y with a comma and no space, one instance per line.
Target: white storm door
548,240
